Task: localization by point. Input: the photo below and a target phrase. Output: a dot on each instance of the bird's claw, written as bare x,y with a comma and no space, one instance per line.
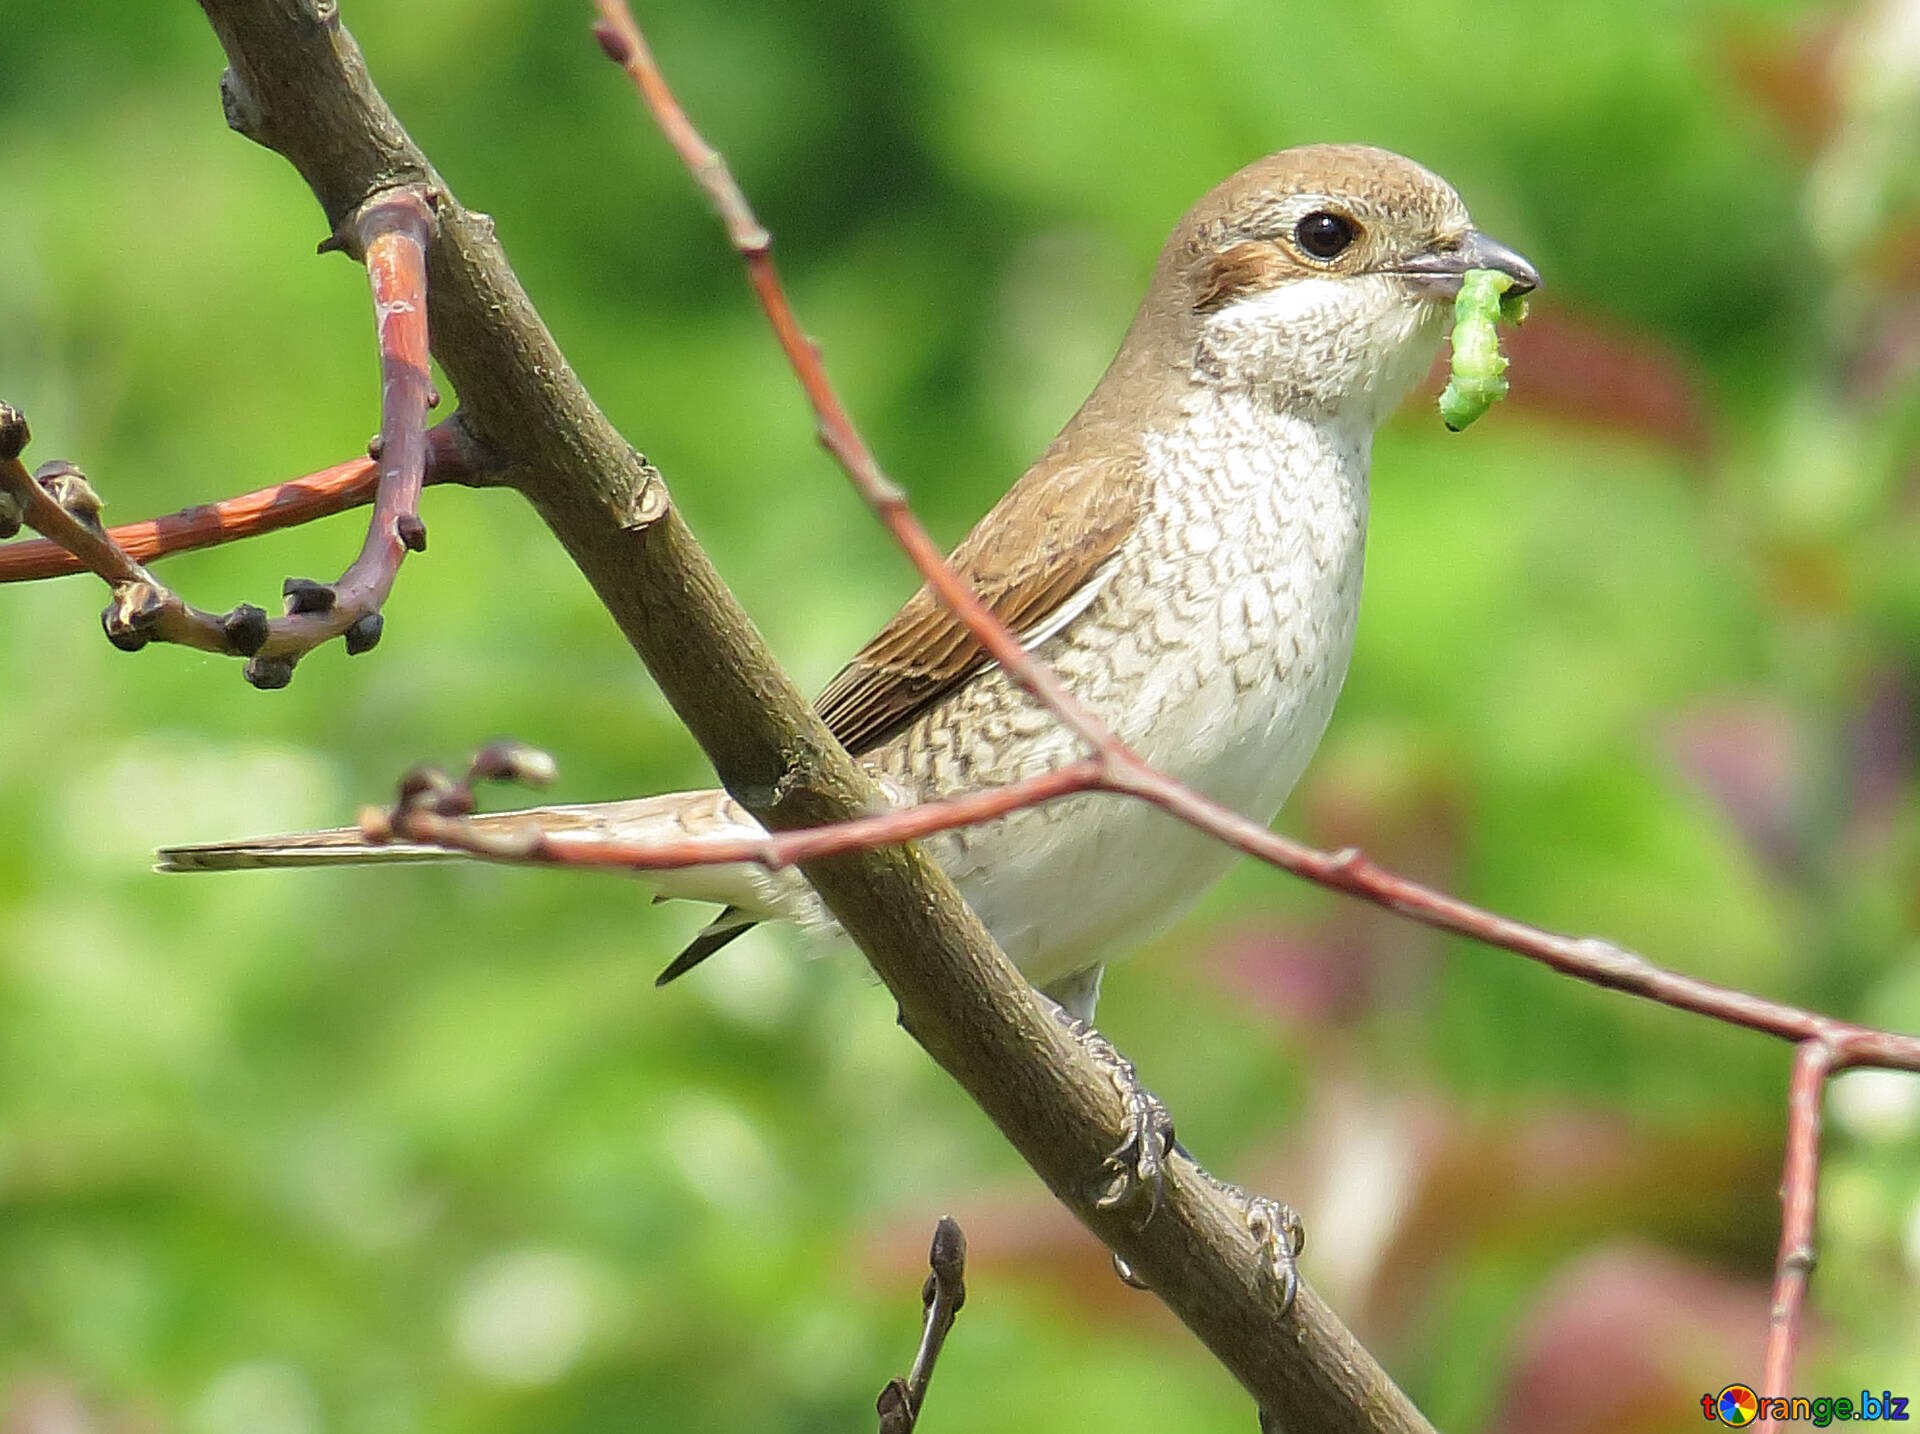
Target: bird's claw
1139,1162
1281,1238
1126,1274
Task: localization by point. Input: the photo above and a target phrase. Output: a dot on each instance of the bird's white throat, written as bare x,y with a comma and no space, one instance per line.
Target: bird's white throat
1350,349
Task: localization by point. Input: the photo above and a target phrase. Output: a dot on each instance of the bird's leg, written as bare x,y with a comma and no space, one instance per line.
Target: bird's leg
1138,1163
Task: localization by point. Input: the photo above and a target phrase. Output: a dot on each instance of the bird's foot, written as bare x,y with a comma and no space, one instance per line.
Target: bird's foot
1137,1166
1275,1228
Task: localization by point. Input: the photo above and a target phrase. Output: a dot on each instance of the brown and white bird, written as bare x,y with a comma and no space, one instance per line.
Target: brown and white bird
1186,555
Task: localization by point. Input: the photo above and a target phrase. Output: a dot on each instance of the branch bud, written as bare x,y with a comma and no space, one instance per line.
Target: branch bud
613,43
430,789
304,595
364,635
269,674
515,762
69,487
14,433
246,629
129,620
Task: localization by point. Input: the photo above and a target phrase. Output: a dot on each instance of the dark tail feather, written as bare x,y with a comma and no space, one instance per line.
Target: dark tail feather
727,926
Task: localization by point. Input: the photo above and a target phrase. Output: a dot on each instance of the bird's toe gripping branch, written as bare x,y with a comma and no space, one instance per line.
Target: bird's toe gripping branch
391,232
1136,1168
1279,1233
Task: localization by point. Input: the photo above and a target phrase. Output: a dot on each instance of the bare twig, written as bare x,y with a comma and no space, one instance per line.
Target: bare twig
451,458
941,1297
1600,963
437,824
1814,1061
391,232
620,37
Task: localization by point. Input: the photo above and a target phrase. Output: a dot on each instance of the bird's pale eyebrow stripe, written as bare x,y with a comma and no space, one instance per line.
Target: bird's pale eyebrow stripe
1247,266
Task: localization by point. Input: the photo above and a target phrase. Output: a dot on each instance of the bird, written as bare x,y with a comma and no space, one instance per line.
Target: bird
1186,555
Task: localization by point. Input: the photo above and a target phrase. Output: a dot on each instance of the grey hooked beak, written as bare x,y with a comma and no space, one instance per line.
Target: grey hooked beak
1437,273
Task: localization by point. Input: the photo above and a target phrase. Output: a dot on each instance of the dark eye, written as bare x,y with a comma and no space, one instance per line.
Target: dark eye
1324,235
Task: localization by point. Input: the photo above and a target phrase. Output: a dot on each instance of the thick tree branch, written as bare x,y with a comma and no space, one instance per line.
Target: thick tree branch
298,84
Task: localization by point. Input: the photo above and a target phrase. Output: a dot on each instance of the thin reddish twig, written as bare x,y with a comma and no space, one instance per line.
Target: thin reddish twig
396,229
57,502
1813,1062
620,37
1587,958
526,843
265,510
297,501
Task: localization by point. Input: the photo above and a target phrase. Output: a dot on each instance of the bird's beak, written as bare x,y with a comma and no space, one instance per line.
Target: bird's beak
1437,273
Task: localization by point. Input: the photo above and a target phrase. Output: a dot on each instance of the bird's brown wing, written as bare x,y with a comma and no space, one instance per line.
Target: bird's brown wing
1039,549
1044,546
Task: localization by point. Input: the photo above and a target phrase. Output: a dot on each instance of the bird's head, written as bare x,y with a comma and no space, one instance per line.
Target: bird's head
1323,277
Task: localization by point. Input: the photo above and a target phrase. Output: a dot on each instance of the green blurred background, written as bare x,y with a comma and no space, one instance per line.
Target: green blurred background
425,1150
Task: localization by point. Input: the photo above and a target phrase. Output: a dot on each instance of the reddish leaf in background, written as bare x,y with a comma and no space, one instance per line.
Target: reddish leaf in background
1625,1342
1788,76
1749,758
1599,372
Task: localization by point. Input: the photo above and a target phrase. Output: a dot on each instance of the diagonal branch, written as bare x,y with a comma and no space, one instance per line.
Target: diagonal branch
56,500
619,35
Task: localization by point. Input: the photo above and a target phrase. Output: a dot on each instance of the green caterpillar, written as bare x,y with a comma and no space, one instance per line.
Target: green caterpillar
1479,368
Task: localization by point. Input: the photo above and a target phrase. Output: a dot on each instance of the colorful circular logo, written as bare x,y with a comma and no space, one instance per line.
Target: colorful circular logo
1737,1405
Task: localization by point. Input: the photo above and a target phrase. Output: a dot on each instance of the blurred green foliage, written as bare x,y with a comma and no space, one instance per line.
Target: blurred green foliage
425,1150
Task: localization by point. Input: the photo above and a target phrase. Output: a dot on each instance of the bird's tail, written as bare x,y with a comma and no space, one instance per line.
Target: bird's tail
752,892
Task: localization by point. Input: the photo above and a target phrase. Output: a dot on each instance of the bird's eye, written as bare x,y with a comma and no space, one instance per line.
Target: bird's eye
1324,235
